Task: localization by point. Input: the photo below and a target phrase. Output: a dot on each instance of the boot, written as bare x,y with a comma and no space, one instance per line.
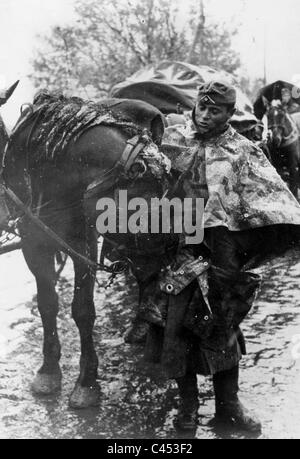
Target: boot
228,406
187,417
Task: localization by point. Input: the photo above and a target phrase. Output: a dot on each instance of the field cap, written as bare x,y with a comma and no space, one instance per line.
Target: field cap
217,93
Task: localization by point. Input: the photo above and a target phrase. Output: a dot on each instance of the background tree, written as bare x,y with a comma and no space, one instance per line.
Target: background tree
251,87
112,39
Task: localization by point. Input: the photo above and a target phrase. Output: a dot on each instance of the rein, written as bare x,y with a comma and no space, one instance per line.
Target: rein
116,267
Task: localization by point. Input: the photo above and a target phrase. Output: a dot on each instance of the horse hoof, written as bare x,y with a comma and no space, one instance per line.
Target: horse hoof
46,384
85,397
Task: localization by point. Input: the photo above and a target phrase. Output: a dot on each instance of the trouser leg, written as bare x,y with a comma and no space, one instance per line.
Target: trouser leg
229,252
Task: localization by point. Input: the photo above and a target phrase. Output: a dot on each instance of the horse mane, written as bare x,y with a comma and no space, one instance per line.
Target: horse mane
54,120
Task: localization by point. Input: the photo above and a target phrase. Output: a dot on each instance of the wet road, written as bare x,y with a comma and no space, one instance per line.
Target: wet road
136,404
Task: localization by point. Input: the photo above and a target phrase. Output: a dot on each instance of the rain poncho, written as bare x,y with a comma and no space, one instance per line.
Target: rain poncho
244,189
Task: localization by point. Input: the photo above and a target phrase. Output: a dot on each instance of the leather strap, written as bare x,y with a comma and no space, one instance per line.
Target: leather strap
132,150
134,147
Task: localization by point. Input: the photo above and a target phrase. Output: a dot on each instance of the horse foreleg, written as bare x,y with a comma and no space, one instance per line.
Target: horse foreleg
87,390
41,263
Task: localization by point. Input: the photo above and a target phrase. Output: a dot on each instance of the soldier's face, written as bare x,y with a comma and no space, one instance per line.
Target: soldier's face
211,118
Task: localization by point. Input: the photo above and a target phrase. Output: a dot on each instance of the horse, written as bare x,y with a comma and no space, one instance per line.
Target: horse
283,143
4,212
53,179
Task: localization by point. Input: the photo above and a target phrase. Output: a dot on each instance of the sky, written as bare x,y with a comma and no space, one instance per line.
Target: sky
266,27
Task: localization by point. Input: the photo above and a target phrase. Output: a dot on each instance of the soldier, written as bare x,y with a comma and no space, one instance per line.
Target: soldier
197,303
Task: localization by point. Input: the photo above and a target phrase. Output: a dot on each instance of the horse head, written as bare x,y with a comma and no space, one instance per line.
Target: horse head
283,143
280,124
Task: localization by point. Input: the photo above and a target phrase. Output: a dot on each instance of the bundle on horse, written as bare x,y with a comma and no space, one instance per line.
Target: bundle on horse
59,153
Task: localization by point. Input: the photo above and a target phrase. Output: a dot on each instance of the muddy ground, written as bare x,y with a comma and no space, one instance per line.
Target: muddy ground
137,403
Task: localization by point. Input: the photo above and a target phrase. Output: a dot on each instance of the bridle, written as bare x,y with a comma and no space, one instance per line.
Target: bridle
133,149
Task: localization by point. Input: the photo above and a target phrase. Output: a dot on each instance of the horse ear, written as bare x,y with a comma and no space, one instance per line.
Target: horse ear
266,102
5,94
